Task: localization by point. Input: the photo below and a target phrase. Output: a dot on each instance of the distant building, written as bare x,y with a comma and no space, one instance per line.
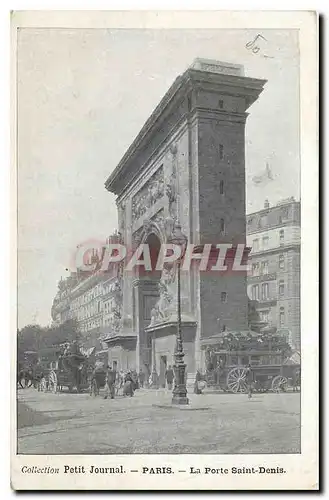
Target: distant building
273,234
93,299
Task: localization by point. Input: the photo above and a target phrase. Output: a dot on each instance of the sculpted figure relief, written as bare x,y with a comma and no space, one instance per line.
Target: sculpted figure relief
150,193
171,186
161,310
116,313
122,220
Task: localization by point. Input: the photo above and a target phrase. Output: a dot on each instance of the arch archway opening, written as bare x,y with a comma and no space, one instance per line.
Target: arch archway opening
154,244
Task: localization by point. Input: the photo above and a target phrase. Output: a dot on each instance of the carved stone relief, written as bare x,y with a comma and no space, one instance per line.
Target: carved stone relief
171,184
158,219
115,319
148,227
150,193
163,307
121,220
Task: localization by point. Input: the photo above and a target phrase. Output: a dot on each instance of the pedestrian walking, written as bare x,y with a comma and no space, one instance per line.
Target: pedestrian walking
110,383
218,372
249,380
169,375
141,378
128,388
134,377
197,385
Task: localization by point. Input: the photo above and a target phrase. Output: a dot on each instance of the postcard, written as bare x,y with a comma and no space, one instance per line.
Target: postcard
165,169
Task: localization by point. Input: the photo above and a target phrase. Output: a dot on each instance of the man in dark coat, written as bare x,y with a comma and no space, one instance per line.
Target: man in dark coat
198,378
141,378
169,377
128,388
249,380
134,377
110,383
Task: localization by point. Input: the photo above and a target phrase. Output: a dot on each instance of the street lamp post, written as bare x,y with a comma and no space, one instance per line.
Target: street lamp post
179,396
154,376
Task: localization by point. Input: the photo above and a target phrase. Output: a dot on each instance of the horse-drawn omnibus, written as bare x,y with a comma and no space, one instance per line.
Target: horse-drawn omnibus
73,365
274,365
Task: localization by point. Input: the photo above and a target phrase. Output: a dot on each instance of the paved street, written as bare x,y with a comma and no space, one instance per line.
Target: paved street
216,423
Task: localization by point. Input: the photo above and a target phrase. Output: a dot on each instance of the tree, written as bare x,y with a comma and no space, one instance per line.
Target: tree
29,338
70,330
35,337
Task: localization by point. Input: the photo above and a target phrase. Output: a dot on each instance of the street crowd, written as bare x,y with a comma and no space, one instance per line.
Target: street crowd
128,382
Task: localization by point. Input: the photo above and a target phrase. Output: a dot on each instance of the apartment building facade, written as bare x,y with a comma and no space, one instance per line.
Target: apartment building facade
273,234
93,300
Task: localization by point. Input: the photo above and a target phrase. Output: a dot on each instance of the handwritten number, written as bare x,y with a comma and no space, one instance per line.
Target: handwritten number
252,44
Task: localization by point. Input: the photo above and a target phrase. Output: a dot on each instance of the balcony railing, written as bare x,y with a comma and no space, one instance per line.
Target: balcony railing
262,277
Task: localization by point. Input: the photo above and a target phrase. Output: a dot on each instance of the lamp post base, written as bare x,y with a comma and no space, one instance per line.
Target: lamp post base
179,400
179,395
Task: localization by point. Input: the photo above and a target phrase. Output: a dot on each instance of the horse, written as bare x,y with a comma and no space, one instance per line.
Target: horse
25,374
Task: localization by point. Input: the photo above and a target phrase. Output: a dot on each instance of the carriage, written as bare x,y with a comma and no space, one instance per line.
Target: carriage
72,365
275,367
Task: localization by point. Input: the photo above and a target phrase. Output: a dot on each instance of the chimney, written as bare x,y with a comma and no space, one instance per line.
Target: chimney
266,204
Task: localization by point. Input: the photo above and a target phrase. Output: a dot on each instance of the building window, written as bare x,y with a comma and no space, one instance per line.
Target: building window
221,187
223,297
264,291
265,242
281,320
221,152
281,237
281,261
264,267
284,214
281,288
221,104
255,292
255,245
255,269
222,226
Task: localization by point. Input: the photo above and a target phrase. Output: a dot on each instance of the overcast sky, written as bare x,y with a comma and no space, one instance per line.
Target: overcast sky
83,95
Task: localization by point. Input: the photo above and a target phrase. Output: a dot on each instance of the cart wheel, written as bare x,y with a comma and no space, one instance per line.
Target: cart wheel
236,380
279,384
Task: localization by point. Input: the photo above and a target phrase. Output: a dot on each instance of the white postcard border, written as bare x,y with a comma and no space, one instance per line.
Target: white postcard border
301,470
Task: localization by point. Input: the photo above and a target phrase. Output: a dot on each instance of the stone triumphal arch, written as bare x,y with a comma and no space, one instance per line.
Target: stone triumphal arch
187,167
